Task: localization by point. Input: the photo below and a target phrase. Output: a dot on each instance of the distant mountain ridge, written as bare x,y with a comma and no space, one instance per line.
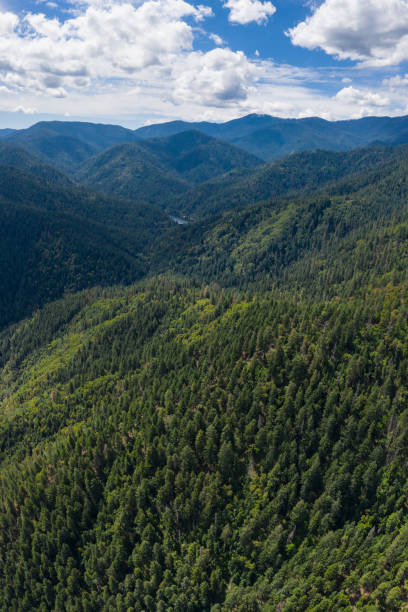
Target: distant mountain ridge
271,137
68,145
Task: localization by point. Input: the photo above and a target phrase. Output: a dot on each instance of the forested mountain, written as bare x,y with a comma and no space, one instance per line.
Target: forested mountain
271,137
21,187
300,172
58,238
133,172
68,144
197,157
230,433
6,132
158,170
334,240
167,447
13,156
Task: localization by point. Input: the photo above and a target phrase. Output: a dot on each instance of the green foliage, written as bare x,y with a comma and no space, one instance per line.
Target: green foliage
235,446
169,447
334,241
57,238
297,173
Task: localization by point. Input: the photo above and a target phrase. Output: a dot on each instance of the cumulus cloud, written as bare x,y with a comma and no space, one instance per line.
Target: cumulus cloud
216,78
113,41
373,32
246,11
362,102
114,59
140,50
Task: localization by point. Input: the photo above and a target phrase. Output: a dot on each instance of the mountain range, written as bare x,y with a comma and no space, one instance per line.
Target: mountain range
207,415
69,144
270,137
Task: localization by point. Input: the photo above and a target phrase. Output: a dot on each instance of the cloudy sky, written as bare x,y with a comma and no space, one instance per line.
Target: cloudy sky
140,62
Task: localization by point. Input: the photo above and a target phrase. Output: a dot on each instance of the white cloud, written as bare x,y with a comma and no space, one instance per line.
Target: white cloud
362,102
396,82
246,11
101,43
136,51
218,77
24,110
111,60
373,32
216,39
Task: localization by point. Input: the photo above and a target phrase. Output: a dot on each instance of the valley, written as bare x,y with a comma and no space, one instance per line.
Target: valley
203,366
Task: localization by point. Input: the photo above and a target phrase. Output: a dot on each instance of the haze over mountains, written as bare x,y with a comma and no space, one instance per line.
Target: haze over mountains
207,416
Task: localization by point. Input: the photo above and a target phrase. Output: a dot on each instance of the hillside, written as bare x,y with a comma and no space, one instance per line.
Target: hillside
166,446
22,187
13,156
197,157
320,243
160,170
271,137
297,173
132,172
61,238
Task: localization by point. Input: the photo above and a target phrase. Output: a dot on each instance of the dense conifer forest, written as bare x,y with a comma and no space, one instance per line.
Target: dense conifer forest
210,416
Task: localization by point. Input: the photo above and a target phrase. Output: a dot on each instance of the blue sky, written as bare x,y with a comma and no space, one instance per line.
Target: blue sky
140,62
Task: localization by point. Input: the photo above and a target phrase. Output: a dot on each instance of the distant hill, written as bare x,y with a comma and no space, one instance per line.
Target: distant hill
271,137
68,144
5,132
157,170
22,187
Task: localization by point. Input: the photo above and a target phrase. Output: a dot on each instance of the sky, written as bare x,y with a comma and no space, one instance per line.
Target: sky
135,63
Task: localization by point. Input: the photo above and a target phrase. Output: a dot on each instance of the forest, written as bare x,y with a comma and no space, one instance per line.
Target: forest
210,416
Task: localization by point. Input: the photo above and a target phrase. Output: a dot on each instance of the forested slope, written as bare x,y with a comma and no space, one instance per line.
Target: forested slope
167,447
297,173
130,171
57,237
68,144
229,434
13,156
160,170
335,240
